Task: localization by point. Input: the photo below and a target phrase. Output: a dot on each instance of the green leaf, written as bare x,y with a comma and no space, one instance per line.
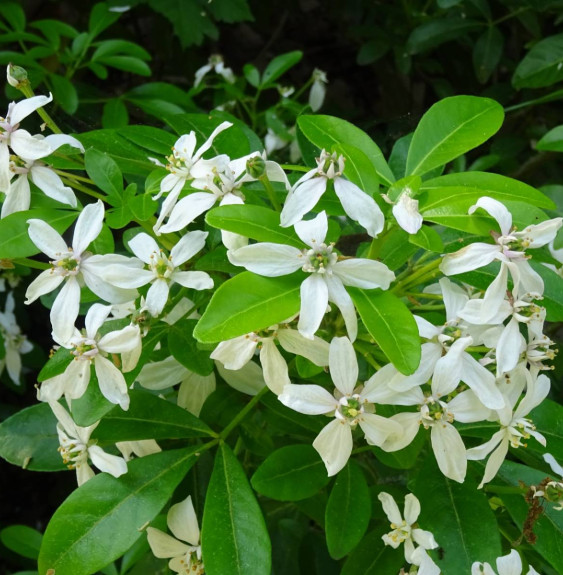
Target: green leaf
549,526
373,557
99,521
251,74
92,406
391,325
14,239
29,439
348,511
541,65
450,128
548,418
552,141
327,131
428,239
396,249
234,537
288,421
183,347
459,516
230,10
246,303
152,139
149,417
127,64
256,222
360,170
487,53
14,15
116,47
22,540
104,172
437,31
64,93
101,18
485,184
279,66
291,473
114,114
56,364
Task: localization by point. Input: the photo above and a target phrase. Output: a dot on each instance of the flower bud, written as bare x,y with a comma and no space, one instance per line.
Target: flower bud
16,75
256,166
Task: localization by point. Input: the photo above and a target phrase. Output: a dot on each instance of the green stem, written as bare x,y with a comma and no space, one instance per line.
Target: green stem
428,307
509,15
365,349
362,449
26,90
84,189
271,193
74,177
294,168
303,88
31,263
427,271
508,490
425,295
243,413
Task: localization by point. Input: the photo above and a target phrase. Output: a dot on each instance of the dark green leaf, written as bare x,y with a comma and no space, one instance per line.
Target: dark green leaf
291,473
542,64
116,47
234,537
22,540
247,303
114,114
279,66
127,64
183,347
487,52
438,31
552,141
391,325
64,93
104,172
101,18
99,521
348,511
56,364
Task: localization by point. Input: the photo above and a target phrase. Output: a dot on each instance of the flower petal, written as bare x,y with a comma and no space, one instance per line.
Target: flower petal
390,508
65,311
187,210
187,247
106,462
313,232
308,399
314,301
182,521
274,366
88,226
46,239
157,296
449,450
363,273
111,381
268,259
302,200
334,445
163,545
21,110
343,365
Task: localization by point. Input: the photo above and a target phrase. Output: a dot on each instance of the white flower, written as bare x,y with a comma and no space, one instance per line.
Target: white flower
185,559
327,278
76,447
73,265
318,90
349,407
139,448
237,352
405,210
163,270
510,564
89,347
406,530
18,194
15,343
22,142
515,428
217,64
553,490
186,163
509,247
308,190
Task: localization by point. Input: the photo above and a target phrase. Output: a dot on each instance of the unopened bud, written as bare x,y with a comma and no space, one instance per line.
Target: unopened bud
16,75
256,166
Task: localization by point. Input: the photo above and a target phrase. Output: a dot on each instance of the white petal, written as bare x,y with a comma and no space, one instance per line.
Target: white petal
469,258
407,215
5,173
467,408
377,429
510,564
193,280
248,379
21,110
65,311
359,206
390,508
27,146
455,298
313,232
234,353
106,462
334,445
163,545
121,341
187,210
88,226
494,295
449,451
363,273
143,246
509,347
268,259
482,382
111,381
55,141
95,318
209,142
339,296
303,199
410,424
274,366
157,296
447,371
497,210
18,197
555,467
308,399
52,185
46,239
187,247
495,461
182,521
162,374
195,389
315,350
343,365
314,301
412,508
44,283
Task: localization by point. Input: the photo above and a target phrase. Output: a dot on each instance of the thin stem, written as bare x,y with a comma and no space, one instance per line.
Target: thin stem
31,263
74,177
424,295
427,271
271,193
507,490
428,307
84,189
510,15
243,413
294,168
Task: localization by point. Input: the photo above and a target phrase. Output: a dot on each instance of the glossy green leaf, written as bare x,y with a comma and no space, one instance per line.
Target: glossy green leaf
99,521
29,439
487,53
153,139
460,518
248,302
92,406
149,417
552,141
548,418
256,222
396,249
101,18
126,64
56,364
483,184
279,66
290,422
549,526
114,114
450,128
104,172
234,537
437,31
14,238
22,540
391,325
116,47
251,74
328,131
541,66
427,238
291,473
348,511
64,93
183,347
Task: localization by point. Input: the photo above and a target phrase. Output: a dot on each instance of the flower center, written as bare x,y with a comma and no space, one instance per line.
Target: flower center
319,260
433,411
519,431
400,533
66,265
161,265
84,349
350,409
73,452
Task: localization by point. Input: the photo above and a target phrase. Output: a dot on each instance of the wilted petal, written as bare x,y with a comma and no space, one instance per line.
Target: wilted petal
334,445
407,215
